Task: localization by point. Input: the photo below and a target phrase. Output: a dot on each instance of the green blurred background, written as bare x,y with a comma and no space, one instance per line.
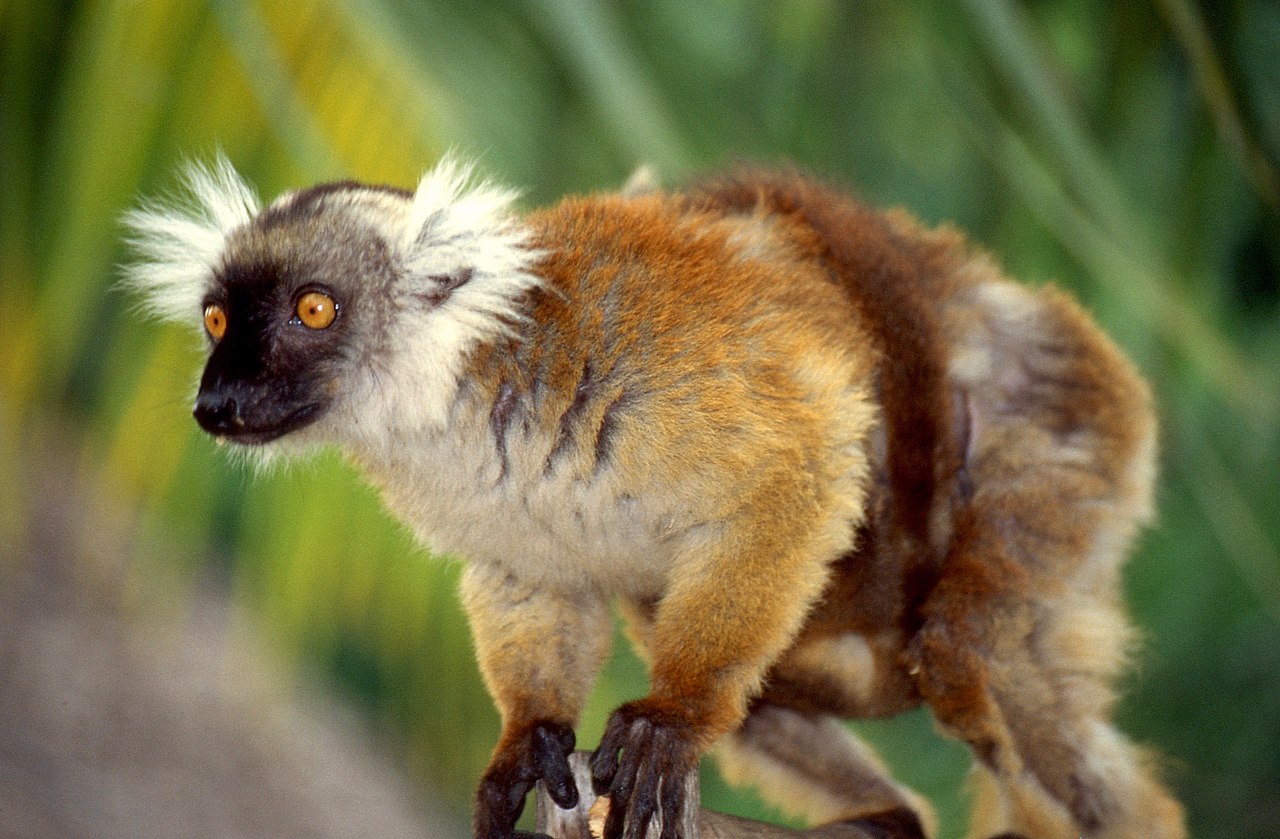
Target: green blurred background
1124,149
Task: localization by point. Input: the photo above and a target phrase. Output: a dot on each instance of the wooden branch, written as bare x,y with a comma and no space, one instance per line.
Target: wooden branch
586,821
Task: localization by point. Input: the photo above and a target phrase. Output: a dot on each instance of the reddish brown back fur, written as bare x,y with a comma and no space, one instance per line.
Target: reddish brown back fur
884,275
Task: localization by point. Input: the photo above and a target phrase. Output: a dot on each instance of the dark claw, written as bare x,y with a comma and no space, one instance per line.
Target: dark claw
551,748
615,822
672,802
604,760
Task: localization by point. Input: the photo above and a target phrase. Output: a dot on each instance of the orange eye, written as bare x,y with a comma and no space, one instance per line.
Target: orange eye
215,321
316,310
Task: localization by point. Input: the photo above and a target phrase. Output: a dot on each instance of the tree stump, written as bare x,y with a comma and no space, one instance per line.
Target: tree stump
586,821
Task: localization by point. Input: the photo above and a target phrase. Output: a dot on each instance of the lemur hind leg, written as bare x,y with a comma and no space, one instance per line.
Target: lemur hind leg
1024,633
1026,685
812,766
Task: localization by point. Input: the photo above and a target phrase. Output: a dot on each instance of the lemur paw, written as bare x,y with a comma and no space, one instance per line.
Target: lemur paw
648,778
542,755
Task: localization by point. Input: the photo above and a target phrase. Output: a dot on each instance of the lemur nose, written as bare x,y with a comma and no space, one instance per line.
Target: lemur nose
217,413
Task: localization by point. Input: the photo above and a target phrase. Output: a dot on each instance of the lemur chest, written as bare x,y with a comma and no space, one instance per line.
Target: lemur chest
464,498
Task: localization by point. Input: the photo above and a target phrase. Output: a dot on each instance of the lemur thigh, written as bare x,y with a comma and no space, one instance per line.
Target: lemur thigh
1024,679
1024,633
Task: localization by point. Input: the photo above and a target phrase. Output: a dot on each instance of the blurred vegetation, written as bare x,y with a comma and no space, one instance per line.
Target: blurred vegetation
1125,149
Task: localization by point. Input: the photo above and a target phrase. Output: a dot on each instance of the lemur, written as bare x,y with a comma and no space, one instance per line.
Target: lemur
829,463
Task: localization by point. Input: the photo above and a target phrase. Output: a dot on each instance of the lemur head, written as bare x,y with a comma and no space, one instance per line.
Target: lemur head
342,300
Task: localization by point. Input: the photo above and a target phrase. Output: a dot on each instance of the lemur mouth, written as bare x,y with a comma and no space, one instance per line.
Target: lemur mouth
226,423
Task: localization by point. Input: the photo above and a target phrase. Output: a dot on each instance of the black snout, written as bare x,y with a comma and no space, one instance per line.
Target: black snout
254,414
218,413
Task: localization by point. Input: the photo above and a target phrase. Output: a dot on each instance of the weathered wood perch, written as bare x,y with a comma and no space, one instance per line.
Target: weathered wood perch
586,821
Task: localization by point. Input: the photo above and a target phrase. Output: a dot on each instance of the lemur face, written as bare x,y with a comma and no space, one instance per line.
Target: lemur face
276,336
282,316
352,302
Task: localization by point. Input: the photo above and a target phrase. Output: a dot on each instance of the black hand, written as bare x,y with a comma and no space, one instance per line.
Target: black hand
648,778
543,755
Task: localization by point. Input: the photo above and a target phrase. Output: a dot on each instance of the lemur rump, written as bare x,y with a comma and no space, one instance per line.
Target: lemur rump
829,464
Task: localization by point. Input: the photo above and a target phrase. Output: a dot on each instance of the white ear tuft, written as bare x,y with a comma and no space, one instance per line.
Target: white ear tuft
179,241
455,226
455,219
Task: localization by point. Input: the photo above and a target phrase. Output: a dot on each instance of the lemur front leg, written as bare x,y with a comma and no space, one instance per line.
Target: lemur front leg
713,634
539,651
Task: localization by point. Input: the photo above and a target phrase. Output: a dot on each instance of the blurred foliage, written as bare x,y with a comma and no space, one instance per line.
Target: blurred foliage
1125,149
